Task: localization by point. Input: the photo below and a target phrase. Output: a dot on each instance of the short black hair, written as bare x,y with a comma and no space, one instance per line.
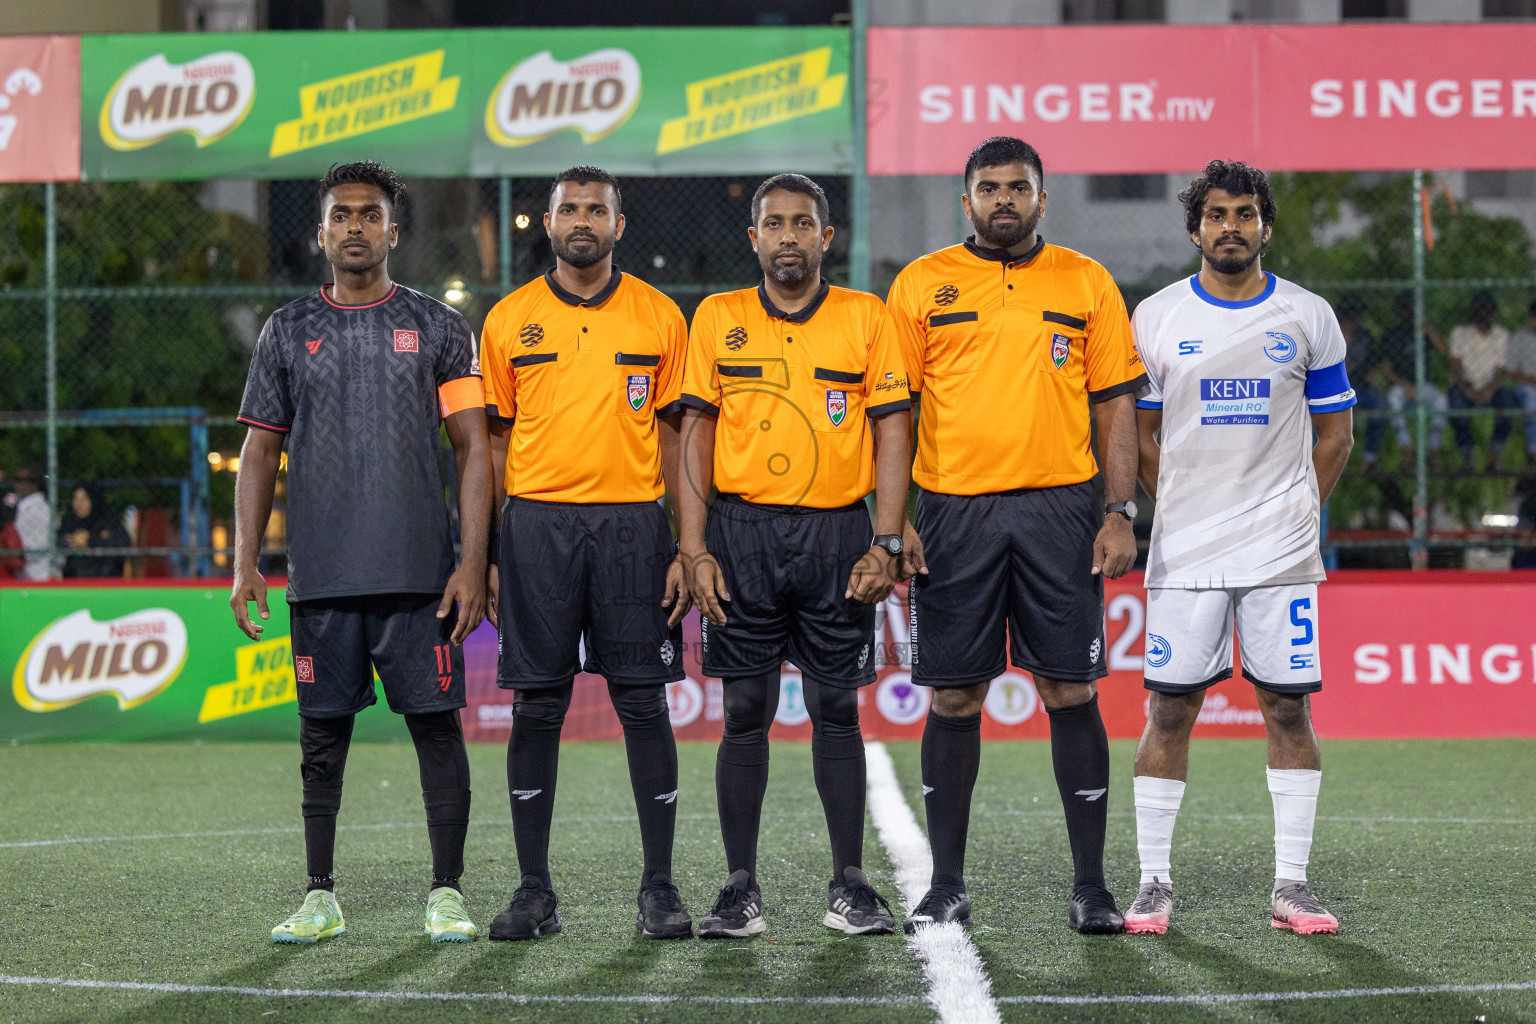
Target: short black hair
586,174
364,172
1532,309
1483,299
792,183
1235,177
1000,150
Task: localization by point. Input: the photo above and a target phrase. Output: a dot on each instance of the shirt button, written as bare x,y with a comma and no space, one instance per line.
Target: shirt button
1010,287
584,330
789,339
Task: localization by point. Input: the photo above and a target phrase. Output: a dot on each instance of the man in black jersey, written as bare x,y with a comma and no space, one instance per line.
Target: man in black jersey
357,378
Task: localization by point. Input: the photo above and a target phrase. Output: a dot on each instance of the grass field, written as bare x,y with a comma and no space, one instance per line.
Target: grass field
192,853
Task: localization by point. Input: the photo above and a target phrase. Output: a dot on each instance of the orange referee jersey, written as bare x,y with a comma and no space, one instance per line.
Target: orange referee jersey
794,393
1007,352
582,382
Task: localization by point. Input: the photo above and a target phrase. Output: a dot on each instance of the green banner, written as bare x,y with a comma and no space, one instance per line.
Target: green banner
453,103
147,663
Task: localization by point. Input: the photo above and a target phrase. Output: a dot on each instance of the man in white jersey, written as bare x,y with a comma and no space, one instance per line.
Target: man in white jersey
1242,368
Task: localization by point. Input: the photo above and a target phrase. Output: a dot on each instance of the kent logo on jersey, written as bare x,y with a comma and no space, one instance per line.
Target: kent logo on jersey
1234,400
639,390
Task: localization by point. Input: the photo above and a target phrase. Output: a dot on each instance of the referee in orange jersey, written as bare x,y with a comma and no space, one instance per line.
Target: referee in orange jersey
796,408
582,369
1010,343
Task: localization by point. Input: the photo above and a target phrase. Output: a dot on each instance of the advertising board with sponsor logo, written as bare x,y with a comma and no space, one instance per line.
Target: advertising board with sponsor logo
1438,654
1122,99
453,103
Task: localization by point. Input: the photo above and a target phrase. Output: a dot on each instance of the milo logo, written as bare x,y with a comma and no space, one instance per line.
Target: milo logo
155,99
132,658
593,95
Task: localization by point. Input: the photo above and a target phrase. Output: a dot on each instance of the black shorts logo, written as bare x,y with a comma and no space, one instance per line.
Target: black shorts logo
531,335
735,338
946,295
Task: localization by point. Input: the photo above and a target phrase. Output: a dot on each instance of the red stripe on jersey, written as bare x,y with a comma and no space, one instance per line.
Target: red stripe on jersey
263,426
366,305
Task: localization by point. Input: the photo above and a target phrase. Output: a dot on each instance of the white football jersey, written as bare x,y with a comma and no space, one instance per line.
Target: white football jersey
1237,500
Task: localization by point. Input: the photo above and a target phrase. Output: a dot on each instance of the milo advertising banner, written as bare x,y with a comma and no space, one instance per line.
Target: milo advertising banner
146,663
451,103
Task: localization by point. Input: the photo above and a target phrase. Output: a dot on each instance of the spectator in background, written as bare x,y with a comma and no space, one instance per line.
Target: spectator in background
1479,352
1394,371
1521,364
33,523
1359,353
89,523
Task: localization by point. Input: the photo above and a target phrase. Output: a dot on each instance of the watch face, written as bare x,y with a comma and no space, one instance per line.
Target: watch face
1130,509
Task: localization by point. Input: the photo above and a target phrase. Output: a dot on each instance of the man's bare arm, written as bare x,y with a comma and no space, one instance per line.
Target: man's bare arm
1148,423
1335,438
472,469
1114,551
705,581
675,594
877,572
260,456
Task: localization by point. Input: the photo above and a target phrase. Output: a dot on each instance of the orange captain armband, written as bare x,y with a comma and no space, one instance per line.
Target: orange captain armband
458,395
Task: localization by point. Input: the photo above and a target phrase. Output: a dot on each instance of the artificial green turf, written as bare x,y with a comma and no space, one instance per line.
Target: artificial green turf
1422,903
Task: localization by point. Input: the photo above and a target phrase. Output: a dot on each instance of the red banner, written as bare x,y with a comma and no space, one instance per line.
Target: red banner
1149,99
1439,654
40,108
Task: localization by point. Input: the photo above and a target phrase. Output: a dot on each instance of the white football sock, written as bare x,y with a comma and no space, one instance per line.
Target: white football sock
1157,805
1294,793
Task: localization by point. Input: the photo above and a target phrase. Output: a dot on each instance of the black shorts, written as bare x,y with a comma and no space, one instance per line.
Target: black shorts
338,642
787,568
585,575
1020,561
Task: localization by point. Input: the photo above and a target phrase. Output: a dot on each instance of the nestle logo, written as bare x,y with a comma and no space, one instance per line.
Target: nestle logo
531,335
1233,389
946,295
735,338
406,341
304,668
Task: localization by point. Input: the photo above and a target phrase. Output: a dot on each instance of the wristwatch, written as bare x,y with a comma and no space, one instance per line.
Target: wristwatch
890,542
1125,508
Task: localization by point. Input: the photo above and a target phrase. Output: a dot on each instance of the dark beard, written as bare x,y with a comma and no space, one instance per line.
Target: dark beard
1230,264
1007,238
340,259
582,259
795,275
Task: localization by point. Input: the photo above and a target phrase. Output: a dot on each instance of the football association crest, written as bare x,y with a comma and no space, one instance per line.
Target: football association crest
639,390
1061,347
837,407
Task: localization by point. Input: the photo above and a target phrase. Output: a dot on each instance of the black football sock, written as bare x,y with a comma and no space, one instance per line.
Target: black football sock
444,765
533,762
323,745
652,753
837,759
1080,755
951,758
741,767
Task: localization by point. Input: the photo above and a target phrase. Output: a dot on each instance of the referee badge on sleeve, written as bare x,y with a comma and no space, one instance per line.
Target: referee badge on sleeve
837,407
639,390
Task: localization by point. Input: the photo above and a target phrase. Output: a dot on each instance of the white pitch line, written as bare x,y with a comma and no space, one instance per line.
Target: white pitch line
171,988
1278,997
293,829
958,986
467,997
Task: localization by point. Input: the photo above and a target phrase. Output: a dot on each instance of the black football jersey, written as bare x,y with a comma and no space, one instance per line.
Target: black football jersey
355,389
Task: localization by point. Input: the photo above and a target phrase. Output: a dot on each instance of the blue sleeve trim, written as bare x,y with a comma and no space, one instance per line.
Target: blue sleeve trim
1147,403
1328,381
1335,406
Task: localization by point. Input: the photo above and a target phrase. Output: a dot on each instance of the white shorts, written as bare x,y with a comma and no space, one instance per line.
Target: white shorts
1189,638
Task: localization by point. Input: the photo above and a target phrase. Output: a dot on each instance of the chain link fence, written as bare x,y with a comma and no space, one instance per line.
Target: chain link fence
160,289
